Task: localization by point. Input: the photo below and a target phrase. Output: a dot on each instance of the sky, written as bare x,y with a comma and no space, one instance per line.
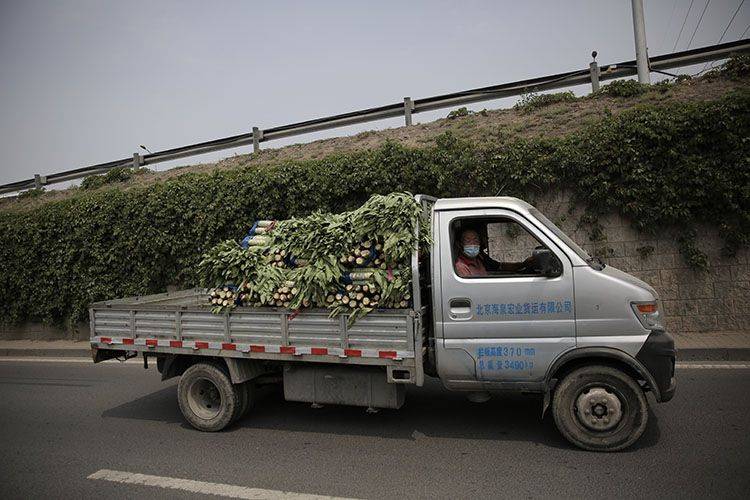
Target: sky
84,82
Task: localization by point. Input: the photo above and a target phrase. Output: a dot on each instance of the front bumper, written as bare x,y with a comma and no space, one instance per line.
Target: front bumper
658,355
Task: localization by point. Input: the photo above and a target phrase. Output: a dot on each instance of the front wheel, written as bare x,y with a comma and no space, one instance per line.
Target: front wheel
599,408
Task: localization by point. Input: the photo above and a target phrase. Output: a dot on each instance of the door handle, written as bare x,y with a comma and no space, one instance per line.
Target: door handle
460,308
460,303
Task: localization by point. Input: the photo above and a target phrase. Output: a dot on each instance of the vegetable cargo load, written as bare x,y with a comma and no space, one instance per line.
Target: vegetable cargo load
352,262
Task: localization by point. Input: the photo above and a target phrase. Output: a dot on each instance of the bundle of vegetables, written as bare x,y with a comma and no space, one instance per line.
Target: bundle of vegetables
222,296
352,262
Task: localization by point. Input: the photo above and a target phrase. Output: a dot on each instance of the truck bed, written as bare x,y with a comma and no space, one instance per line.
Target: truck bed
182,323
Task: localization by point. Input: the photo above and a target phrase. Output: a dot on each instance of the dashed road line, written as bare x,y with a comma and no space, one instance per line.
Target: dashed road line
713,366
189,485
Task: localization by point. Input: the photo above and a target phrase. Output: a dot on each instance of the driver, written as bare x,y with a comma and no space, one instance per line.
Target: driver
473,263
469,263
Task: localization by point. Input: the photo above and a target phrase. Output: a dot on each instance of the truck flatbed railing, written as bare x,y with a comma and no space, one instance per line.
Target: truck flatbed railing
182,323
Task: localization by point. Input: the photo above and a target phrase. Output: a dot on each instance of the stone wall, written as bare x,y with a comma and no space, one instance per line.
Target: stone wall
693,301
39,331
509,242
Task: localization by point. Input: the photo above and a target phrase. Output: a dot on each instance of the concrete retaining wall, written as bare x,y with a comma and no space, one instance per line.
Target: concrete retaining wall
38,331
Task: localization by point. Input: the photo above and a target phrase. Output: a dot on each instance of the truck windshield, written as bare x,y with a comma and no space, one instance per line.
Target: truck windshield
564,237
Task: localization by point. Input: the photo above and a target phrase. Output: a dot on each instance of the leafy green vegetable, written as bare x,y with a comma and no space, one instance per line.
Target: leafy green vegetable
317,260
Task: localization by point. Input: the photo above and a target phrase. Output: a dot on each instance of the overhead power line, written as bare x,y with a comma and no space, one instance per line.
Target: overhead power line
683,25
730,23
724,34
699,24
669,23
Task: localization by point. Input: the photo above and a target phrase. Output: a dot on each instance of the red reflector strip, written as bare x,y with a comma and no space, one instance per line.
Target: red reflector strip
255,348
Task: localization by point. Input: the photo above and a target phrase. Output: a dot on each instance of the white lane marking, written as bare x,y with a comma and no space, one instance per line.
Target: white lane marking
712,366
41,359
219,489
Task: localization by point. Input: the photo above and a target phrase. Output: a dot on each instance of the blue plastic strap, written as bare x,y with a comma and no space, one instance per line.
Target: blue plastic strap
246,240
373,255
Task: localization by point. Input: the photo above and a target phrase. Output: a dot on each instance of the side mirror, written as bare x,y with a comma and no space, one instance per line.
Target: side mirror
546,263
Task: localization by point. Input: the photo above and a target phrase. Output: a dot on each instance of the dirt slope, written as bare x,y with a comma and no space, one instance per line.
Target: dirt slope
489,126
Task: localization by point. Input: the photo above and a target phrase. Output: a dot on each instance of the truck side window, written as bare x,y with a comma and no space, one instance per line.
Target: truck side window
505,247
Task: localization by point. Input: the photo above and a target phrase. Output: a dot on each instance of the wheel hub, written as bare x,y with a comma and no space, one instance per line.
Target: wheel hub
598,409
204,399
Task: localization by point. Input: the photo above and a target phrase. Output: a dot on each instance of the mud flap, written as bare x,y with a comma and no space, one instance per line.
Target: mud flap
545,401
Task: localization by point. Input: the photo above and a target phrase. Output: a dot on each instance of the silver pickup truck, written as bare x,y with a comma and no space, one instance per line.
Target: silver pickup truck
535,314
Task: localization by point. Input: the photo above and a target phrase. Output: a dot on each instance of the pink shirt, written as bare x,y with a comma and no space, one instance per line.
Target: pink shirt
470,268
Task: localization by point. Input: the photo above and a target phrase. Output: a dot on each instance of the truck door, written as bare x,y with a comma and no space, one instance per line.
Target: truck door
511,319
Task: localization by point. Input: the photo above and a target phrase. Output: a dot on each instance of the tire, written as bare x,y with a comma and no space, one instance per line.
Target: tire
599,408
207,398
242,398
250,391
246,394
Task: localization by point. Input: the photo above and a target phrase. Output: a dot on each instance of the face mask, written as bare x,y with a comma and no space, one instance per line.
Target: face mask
471,250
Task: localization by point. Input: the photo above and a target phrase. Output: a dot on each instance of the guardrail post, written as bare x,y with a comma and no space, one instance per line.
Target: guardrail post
408,108
39,181
137,161
257,136
594,71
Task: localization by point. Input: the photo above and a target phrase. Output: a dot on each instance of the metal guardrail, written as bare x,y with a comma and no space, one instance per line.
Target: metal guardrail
407,108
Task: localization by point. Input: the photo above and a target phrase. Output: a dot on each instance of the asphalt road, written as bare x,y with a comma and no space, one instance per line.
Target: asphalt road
61,422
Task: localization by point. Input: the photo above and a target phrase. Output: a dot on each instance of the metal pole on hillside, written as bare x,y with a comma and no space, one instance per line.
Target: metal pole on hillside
641,51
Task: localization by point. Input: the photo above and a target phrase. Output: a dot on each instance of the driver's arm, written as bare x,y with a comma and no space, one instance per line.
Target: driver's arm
511,266
489,263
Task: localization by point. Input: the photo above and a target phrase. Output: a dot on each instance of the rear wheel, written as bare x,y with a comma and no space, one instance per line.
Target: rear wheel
246,392
207,398
600,408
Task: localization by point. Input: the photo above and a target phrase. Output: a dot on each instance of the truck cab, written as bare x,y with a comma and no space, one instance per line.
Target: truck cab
535,313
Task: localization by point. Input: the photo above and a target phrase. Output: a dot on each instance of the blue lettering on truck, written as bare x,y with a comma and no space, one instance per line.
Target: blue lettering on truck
546,307
504,357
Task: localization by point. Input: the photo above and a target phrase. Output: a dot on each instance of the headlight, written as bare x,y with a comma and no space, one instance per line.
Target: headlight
648,314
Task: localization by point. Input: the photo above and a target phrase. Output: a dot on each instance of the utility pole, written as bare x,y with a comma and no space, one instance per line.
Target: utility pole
594,72
641,52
